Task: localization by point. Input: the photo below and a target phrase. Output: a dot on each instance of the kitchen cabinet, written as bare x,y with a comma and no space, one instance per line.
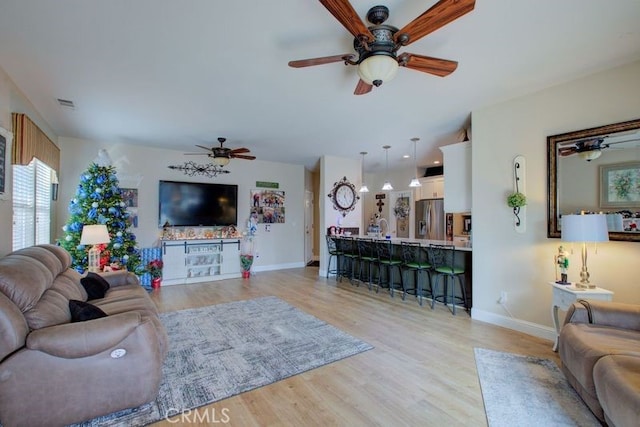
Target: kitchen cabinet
192,261
432,188
457,176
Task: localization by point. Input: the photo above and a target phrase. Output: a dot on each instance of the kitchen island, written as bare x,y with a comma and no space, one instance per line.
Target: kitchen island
463,259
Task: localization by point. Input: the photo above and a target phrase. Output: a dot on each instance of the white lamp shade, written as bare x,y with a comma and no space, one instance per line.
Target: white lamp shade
584,228
94,234
590,155
415,182
387,186
364,189
221,161
378,67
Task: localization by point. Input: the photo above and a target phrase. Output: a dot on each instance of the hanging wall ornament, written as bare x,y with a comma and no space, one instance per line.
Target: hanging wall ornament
191,169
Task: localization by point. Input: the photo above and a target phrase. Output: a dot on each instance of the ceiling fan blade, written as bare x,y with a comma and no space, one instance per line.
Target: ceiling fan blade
321,61
197,154
362,88
427,64
242,156
567,151
203,147
239,150
438,15
348,17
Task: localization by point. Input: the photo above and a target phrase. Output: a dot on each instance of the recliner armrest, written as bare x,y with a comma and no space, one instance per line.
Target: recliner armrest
120,278
605,313
82,339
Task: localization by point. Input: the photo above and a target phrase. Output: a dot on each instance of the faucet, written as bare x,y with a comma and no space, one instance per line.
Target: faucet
386,227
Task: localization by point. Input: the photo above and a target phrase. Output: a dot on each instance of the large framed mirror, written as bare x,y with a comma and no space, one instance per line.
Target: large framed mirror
596,170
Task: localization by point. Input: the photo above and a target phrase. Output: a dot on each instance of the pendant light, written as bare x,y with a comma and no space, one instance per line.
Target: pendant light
387,185
364,188
415,182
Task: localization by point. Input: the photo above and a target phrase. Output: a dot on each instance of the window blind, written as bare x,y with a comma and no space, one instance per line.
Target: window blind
31,204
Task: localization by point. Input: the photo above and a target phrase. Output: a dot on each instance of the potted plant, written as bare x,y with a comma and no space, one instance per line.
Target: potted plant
246,255
516,201
155,270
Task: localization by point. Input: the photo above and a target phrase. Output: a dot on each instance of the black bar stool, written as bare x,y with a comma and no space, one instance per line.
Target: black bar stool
443,260
368,257
388,261
333,253
349,254
415,258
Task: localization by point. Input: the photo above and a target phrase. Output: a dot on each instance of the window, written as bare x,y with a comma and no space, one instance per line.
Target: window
31,204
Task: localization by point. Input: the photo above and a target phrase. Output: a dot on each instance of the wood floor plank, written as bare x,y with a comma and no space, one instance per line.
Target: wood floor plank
421,372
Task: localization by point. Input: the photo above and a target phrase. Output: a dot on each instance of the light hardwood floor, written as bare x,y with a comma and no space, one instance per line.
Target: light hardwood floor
421,371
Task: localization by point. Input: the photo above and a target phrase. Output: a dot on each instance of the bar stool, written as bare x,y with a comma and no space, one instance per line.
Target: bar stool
443,260
415,258
333,253
368,257
347,246
387,259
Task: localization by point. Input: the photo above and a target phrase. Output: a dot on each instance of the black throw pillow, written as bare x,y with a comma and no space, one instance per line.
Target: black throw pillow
95,285
81,311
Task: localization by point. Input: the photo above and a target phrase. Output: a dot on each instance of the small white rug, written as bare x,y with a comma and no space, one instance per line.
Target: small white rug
528,391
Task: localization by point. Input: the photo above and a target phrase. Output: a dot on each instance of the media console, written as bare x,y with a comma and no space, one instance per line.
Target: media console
199,260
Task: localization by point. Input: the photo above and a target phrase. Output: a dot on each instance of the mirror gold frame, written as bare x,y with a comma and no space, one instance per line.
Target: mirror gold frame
553,142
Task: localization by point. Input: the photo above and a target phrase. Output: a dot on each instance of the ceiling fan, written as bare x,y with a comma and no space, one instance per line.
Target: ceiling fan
222,155
589,149
377,45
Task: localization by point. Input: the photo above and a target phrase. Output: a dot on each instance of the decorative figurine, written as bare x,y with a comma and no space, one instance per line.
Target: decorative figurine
562,263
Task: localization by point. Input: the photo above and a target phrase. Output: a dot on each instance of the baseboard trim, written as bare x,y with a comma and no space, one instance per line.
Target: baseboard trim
524,326
278,266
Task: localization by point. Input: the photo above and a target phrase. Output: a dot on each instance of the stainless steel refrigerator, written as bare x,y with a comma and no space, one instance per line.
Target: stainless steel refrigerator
430,219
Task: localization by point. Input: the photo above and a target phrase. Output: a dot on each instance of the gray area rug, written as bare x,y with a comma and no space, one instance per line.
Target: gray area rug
222,350
528,391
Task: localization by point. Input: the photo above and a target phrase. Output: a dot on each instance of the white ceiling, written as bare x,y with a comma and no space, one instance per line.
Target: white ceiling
172,74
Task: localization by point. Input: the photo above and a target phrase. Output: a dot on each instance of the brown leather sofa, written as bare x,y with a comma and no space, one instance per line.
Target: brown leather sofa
599,349
56,372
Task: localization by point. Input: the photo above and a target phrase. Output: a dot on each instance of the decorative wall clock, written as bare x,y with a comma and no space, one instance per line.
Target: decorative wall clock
344,196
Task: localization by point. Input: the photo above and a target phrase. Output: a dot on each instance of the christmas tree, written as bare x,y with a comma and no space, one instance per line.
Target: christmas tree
98,200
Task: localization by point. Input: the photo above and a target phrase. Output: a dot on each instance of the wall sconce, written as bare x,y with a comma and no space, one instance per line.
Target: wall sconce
518,200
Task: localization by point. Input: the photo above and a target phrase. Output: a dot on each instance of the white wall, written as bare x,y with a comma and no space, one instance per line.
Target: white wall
522,264
282,247
13,101
332,170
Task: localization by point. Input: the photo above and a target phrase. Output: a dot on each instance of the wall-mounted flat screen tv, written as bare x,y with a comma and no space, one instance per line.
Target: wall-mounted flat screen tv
197,204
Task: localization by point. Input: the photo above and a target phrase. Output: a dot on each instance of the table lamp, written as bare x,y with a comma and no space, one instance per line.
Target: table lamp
94,235
584,229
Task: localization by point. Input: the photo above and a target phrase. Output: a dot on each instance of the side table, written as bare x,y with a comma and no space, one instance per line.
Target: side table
565,295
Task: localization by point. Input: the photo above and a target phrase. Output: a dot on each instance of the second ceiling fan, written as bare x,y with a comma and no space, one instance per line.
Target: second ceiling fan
222,155
377,45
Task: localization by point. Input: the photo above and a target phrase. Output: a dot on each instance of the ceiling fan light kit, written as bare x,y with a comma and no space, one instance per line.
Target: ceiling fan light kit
221,161
377,45
590,155
376,69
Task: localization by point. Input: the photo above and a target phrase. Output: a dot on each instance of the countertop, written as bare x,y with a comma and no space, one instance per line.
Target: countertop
460,246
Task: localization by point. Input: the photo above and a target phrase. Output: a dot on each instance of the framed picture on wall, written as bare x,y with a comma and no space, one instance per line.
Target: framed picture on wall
5,144
620,185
